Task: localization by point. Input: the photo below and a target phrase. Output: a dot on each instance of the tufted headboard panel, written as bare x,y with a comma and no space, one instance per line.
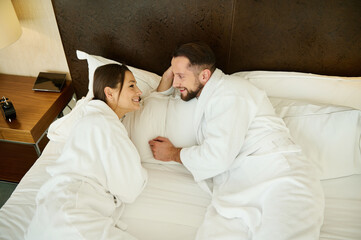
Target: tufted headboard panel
315,36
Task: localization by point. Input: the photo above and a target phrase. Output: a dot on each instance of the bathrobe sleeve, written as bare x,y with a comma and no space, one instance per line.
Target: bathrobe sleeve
99,149
224,126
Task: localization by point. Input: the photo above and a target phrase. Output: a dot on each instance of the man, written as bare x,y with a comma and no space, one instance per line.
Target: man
263,187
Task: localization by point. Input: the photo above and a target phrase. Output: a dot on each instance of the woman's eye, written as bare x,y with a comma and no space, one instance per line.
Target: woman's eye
131,86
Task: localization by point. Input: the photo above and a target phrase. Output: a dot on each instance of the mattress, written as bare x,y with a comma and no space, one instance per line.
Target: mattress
172,205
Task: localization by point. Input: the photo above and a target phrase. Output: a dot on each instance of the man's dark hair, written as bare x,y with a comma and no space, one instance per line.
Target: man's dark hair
199,54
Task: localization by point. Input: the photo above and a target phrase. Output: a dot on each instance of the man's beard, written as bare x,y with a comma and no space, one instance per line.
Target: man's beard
192,94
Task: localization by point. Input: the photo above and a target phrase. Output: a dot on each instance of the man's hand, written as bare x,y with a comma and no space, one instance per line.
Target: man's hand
164,150
166,81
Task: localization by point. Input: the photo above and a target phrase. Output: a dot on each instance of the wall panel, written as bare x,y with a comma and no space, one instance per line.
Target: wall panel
320,36
140,33
315,36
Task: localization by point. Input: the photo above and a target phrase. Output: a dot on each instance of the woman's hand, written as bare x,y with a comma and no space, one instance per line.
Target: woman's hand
164,150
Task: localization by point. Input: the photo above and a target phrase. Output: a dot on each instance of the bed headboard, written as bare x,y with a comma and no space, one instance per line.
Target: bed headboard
315,36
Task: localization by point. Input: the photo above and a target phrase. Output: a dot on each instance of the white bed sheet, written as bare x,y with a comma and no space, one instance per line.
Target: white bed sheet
172,205
342,208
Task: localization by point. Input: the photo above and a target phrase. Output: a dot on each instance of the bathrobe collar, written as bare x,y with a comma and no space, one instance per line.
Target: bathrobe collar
210,87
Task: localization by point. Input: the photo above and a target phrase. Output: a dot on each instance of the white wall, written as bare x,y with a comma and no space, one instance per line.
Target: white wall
39,48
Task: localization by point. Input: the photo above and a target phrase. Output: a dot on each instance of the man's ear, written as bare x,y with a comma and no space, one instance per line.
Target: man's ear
204,76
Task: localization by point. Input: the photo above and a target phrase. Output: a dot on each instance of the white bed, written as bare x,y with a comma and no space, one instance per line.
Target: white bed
324,117
174,208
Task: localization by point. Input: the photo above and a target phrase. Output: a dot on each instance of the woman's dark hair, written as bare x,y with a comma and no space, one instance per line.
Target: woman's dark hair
108,75
199,54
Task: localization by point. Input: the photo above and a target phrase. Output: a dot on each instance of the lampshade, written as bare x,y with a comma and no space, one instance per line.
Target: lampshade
10,29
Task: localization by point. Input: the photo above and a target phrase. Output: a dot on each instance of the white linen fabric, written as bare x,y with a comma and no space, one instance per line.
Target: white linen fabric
179,121
161,115
146,81
342,208
172,206
259,176
60,130
147,123
344,91
329,135
85,196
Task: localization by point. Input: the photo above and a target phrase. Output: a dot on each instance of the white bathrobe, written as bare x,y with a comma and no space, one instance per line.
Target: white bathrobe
263,187
98,172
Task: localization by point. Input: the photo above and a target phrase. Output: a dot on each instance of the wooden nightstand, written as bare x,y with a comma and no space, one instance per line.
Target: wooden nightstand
35,111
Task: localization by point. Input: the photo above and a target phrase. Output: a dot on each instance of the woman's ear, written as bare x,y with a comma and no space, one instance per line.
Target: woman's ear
205,76
108,93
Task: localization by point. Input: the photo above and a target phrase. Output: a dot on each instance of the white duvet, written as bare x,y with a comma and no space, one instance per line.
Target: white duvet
172,206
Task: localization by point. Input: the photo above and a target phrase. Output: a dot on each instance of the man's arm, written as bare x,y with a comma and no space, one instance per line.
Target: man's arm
166,81
164,150
227,121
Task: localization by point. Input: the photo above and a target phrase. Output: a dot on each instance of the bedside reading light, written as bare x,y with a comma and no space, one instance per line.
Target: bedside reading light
10,29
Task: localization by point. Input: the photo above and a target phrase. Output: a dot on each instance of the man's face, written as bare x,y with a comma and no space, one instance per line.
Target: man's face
186,78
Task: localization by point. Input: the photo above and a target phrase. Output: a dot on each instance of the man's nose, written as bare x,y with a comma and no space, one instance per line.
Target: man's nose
176,82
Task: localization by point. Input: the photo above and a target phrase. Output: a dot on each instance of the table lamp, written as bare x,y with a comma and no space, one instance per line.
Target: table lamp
10,29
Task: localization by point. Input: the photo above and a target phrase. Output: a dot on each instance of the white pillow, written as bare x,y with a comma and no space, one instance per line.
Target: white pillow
147,123
329,135
165,116
179,126
146,81
344,91
160,115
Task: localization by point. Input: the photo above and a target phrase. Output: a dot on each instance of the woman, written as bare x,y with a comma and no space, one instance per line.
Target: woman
99,169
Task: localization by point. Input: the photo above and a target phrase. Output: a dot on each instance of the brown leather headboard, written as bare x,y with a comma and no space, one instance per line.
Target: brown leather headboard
315,36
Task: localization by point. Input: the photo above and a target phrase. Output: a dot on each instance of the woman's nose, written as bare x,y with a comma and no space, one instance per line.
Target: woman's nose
139,92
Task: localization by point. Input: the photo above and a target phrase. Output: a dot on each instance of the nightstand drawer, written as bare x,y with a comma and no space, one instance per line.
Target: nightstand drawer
16,159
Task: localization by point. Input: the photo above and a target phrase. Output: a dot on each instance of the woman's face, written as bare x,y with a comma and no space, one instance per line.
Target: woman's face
128,99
